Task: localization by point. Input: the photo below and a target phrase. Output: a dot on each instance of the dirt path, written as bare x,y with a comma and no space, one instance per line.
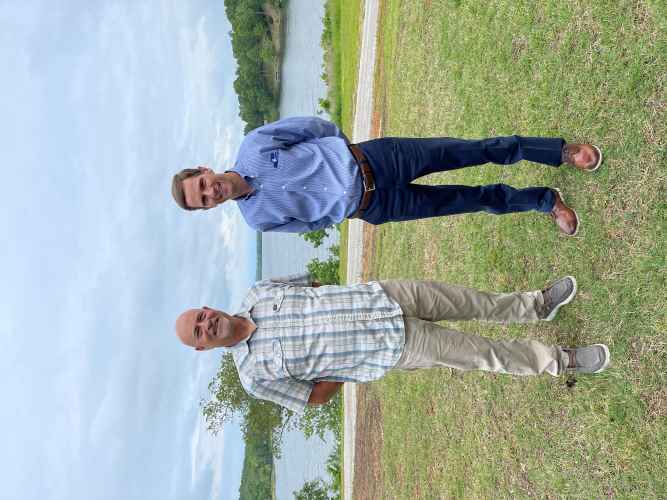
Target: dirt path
361,132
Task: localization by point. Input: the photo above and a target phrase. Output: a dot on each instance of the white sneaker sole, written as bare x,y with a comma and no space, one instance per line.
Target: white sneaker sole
567,300
597,165
607,358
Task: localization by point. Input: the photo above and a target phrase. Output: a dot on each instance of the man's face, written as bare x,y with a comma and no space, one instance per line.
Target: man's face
207,189
205,328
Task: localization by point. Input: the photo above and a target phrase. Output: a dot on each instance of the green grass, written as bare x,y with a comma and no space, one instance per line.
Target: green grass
350,44
587,71
341,42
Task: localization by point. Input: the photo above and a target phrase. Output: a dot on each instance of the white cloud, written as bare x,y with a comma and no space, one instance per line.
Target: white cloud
98,386
207,452
227,138
198,63
206,449
231,226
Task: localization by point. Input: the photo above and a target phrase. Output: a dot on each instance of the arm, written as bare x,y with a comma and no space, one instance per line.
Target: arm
287,392
323,391
301,279
291,131
296,226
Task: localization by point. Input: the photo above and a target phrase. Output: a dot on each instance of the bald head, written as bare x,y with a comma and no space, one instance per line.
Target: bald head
185,327
208,328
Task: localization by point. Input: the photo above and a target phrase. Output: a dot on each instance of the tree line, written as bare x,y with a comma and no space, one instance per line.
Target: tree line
257,60
258,471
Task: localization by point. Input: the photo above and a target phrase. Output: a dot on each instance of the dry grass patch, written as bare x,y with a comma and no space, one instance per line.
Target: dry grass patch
581,70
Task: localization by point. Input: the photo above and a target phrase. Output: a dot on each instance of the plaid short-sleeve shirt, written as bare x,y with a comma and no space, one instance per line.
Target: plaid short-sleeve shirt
304,335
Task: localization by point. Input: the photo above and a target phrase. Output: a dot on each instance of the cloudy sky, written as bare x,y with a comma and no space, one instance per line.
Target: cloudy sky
100,103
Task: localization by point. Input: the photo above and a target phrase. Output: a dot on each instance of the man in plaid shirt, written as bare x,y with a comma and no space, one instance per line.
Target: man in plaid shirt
295,343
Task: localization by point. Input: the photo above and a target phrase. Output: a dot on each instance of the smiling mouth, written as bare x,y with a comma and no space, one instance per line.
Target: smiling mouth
219,190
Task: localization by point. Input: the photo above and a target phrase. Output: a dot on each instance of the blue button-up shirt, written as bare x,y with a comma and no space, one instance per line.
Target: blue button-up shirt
302,174
304,335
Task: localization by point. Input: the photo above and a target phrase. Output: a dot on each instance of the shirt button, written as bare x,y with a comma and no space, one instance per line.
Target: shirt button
261,185
275,307
283,187
344,192
304,187
325,188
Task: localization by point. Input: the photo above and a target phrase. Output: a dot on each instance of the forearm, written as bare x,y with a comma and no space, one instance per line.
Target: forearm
323,392
296,226
307,127
300,279
287,132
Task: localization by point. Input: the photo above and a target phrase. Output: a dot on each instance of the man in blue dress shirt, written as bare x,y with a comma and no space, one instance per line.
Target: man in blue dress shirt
301,174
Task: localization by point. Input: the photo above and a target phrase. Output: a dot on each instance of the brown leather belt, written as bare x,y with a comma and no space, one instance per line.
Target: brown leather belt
367,180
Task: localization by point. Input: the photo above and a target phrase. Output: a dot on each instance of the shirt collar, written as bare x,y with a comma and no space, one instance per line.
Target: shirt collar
249,179
241,348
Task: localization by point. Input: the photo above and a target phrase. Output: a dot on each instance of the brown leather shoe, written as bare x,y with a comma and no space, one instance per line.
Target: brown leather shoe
586,157
566,219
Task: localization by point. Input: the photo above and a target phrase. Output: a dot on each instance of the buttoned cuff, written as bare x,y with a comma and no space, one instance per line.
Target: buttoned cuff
302,279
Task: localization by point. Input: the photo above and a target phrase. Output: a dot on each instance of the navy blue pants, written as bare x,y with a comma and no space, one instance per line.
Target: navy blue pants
396,162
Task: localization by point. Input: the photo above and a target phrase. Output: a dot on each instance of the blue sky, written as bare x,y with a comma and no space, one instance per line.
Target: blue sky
101,102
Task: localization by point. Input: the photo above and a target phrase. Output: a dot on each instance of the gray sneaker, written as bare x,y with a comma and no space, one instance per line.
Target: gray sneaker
591,359
557,295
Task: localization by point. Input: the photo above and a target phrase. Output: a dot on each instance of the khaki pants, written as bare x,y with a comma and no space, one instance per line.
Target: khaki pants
428,345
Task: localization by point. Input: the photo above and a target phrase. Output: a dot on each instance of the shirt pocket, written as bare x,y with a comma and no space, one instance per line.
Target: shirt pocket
278,300
270,364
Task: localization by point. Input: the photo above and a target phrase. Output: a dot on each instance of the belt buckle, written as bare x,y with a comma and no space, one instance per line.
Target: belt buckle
363,182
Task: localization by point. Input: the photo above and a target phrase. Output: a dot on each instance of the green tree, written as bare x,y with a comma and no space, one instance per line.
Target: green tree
316,238
334,468
317,420
253,50
313,490
326,271
258,469
325,104
229,402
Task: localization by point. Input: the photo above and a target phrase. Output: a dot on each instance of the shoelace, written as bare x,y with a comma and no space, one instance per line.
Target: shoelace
571,368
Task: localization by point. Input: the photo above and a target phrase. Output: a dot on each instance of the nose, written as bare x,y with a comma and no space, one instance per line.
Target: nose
204,325
210,189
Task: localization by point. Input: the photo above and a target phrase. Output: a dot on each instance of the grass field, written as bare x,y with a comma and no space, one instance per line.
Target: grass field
587,71
341,44
350,12
345,27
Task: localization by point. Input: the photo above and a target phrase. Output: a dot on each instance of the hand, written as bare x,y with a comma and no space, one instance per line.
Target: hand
323,391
